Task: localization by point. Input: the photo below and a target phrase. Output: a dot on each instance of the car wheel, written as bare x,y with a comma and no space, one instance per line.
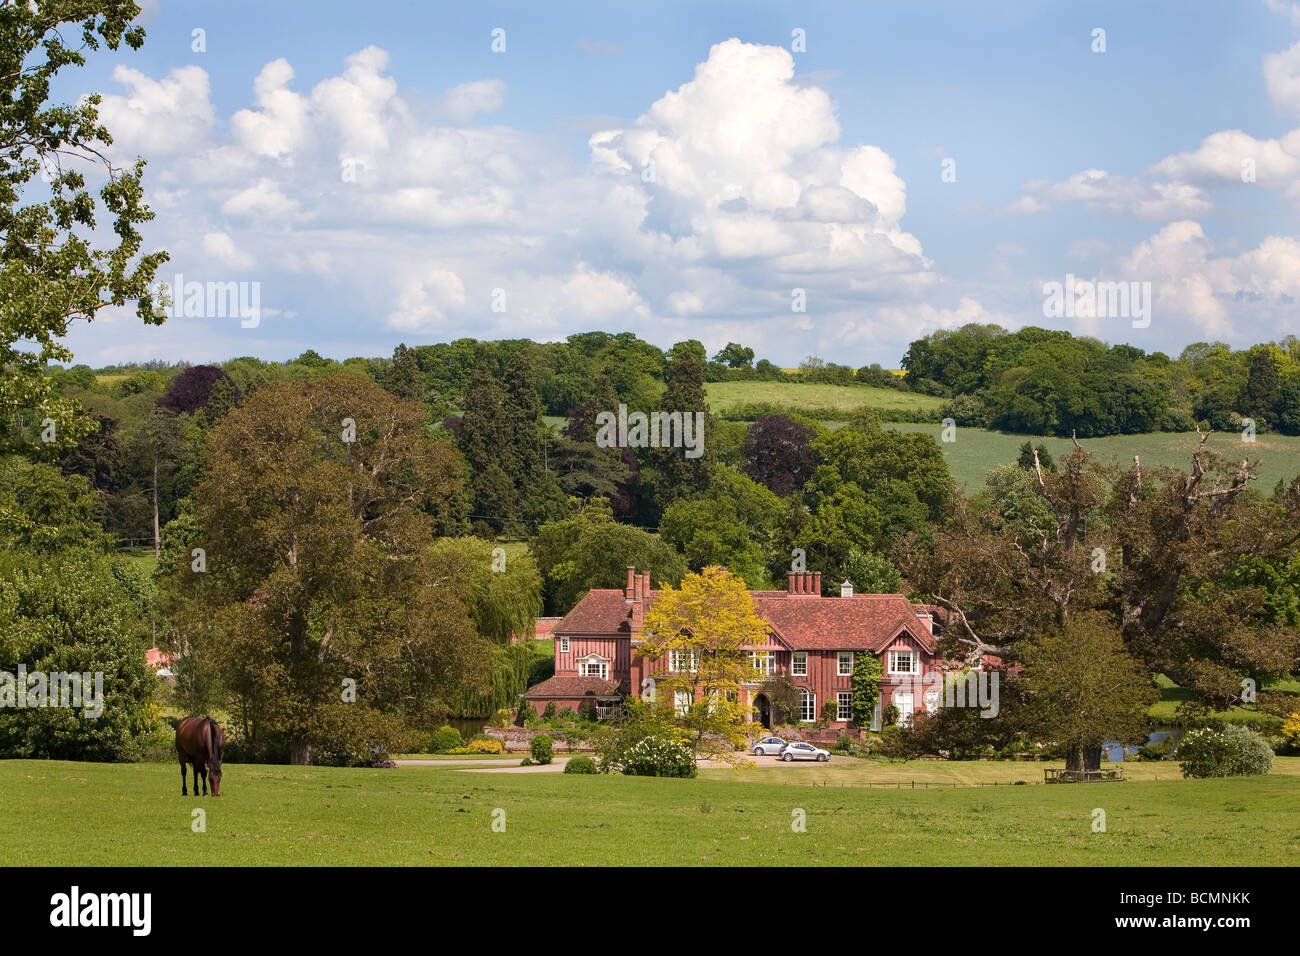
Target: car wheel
786,757
823,758
758,751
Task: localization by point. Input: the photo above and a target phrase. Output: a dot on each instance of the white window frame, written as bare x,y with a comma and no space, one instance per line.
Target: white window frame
798,659
807,705
564,645
594,660
763,661
682,701
840,657
688,655
913,657
844,702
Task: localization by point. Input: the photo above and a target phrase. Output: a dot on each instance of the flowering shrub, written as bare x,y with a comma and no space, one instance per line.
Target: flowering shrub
1234,751
478,747
658,756
1291,733
581,764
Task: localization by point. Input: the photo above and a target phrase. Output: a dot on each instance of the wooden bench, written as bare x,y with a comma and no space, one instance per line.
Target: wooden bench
1082,776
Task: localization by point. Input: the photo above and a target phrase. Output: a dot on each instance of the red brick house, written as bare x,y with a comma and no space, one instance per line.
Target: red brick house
814,639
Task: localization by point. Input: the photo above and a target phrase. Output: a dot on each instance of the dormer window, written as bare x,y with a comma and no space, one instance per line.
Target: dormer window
593,665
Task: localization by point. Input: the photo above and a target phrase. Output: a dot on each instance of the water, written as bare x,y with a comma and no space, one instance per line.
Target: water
1116,752
469,727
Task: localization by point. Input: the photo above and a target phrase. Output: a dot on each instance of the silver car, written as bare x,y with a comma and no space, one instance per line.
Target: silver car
768,746
802,751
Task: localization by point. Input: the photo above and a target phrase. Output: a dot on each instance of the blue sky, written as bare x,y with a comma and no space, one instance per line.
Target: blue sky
381,172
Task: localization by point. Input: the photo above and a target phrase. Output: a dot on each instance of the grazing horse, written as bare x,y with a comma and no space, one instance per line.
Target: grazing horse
200,741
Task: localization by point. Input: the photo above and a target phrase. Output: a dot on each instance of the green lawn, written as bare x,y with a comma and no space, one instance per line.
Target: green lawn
976,451
1165,710
59,813
802,395
144,558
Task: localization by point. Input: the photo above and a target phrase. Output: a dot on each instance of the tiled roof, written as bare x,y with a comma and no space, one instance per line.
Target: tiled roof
571,686
862,622
802,622
601,611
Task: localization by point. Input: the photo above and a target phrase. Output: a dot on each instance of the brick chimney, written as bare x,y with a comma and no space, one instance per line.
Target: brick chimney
629,591
804,583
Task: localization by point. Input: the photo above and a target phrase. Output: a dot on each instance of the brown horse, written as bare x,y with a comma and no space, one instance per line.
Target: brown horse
200,741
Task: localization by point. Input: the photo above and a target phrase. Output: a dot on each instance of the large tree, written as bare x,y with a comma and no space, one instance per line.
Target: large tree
55,270
1144,548
316,522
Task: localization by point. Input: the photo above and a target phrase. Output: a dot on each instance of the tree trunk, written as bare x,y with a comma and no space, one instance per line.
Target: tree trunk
157,549
1083,757
300,752
1092,757
1074,758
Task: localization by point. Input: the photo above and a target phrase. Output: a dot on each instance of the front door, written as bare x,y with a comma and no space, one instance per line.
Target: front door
764,708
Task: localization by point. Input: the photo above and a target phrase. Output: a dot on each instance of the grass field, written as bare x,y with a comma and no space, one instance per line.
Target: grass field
976,451
59,813
843,398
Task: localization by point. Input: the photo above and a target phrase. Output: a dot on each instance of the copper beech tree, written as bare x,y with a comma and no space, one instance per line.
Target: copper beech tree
1150,551
316,521
702,631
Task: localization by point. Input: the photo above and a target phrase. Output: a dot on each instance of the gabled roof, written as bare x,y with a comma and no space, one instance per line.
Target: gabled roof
601,611
567,686
800,622
864,622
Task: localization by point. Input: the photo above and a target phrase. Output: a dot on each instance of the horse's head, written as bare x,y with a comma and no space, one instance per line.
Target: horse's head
214,759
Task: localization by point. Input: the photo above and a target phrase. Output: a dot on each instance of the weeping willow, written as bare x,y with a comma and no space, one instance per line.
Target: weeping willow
514,668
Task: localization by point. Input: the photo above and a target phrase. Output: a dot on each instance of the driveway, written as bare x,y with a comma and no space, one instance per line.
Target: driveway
493,765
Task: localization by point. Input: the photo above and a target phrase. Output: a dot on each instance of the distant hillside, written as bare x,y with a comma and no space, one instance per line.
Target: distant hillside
798,396
977,451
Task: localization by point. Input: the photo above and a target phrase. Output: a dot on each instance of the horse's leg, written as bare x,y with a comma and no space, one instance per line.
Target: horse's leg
203,769
184,792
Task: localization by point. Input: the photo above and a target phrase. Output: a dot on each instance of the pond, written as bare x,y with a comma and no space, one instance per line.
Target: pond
469,727
1116,752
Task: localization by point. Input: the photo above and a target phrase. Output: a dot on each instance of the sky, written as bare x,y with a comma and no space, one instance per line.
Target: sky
823,178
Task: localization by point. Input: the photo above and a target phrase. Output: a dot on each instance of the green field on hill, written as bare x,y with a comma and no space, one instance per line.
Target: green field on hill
55,813
813,397
977,451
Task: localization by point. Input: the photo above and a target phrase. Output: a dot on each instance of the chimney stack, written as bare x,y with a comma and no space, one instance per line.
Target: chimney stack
804,583
630,591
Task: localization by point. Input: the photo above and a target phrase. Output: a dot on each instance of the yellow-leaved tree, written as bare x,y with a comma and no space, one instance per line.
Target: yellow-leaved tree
702,630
